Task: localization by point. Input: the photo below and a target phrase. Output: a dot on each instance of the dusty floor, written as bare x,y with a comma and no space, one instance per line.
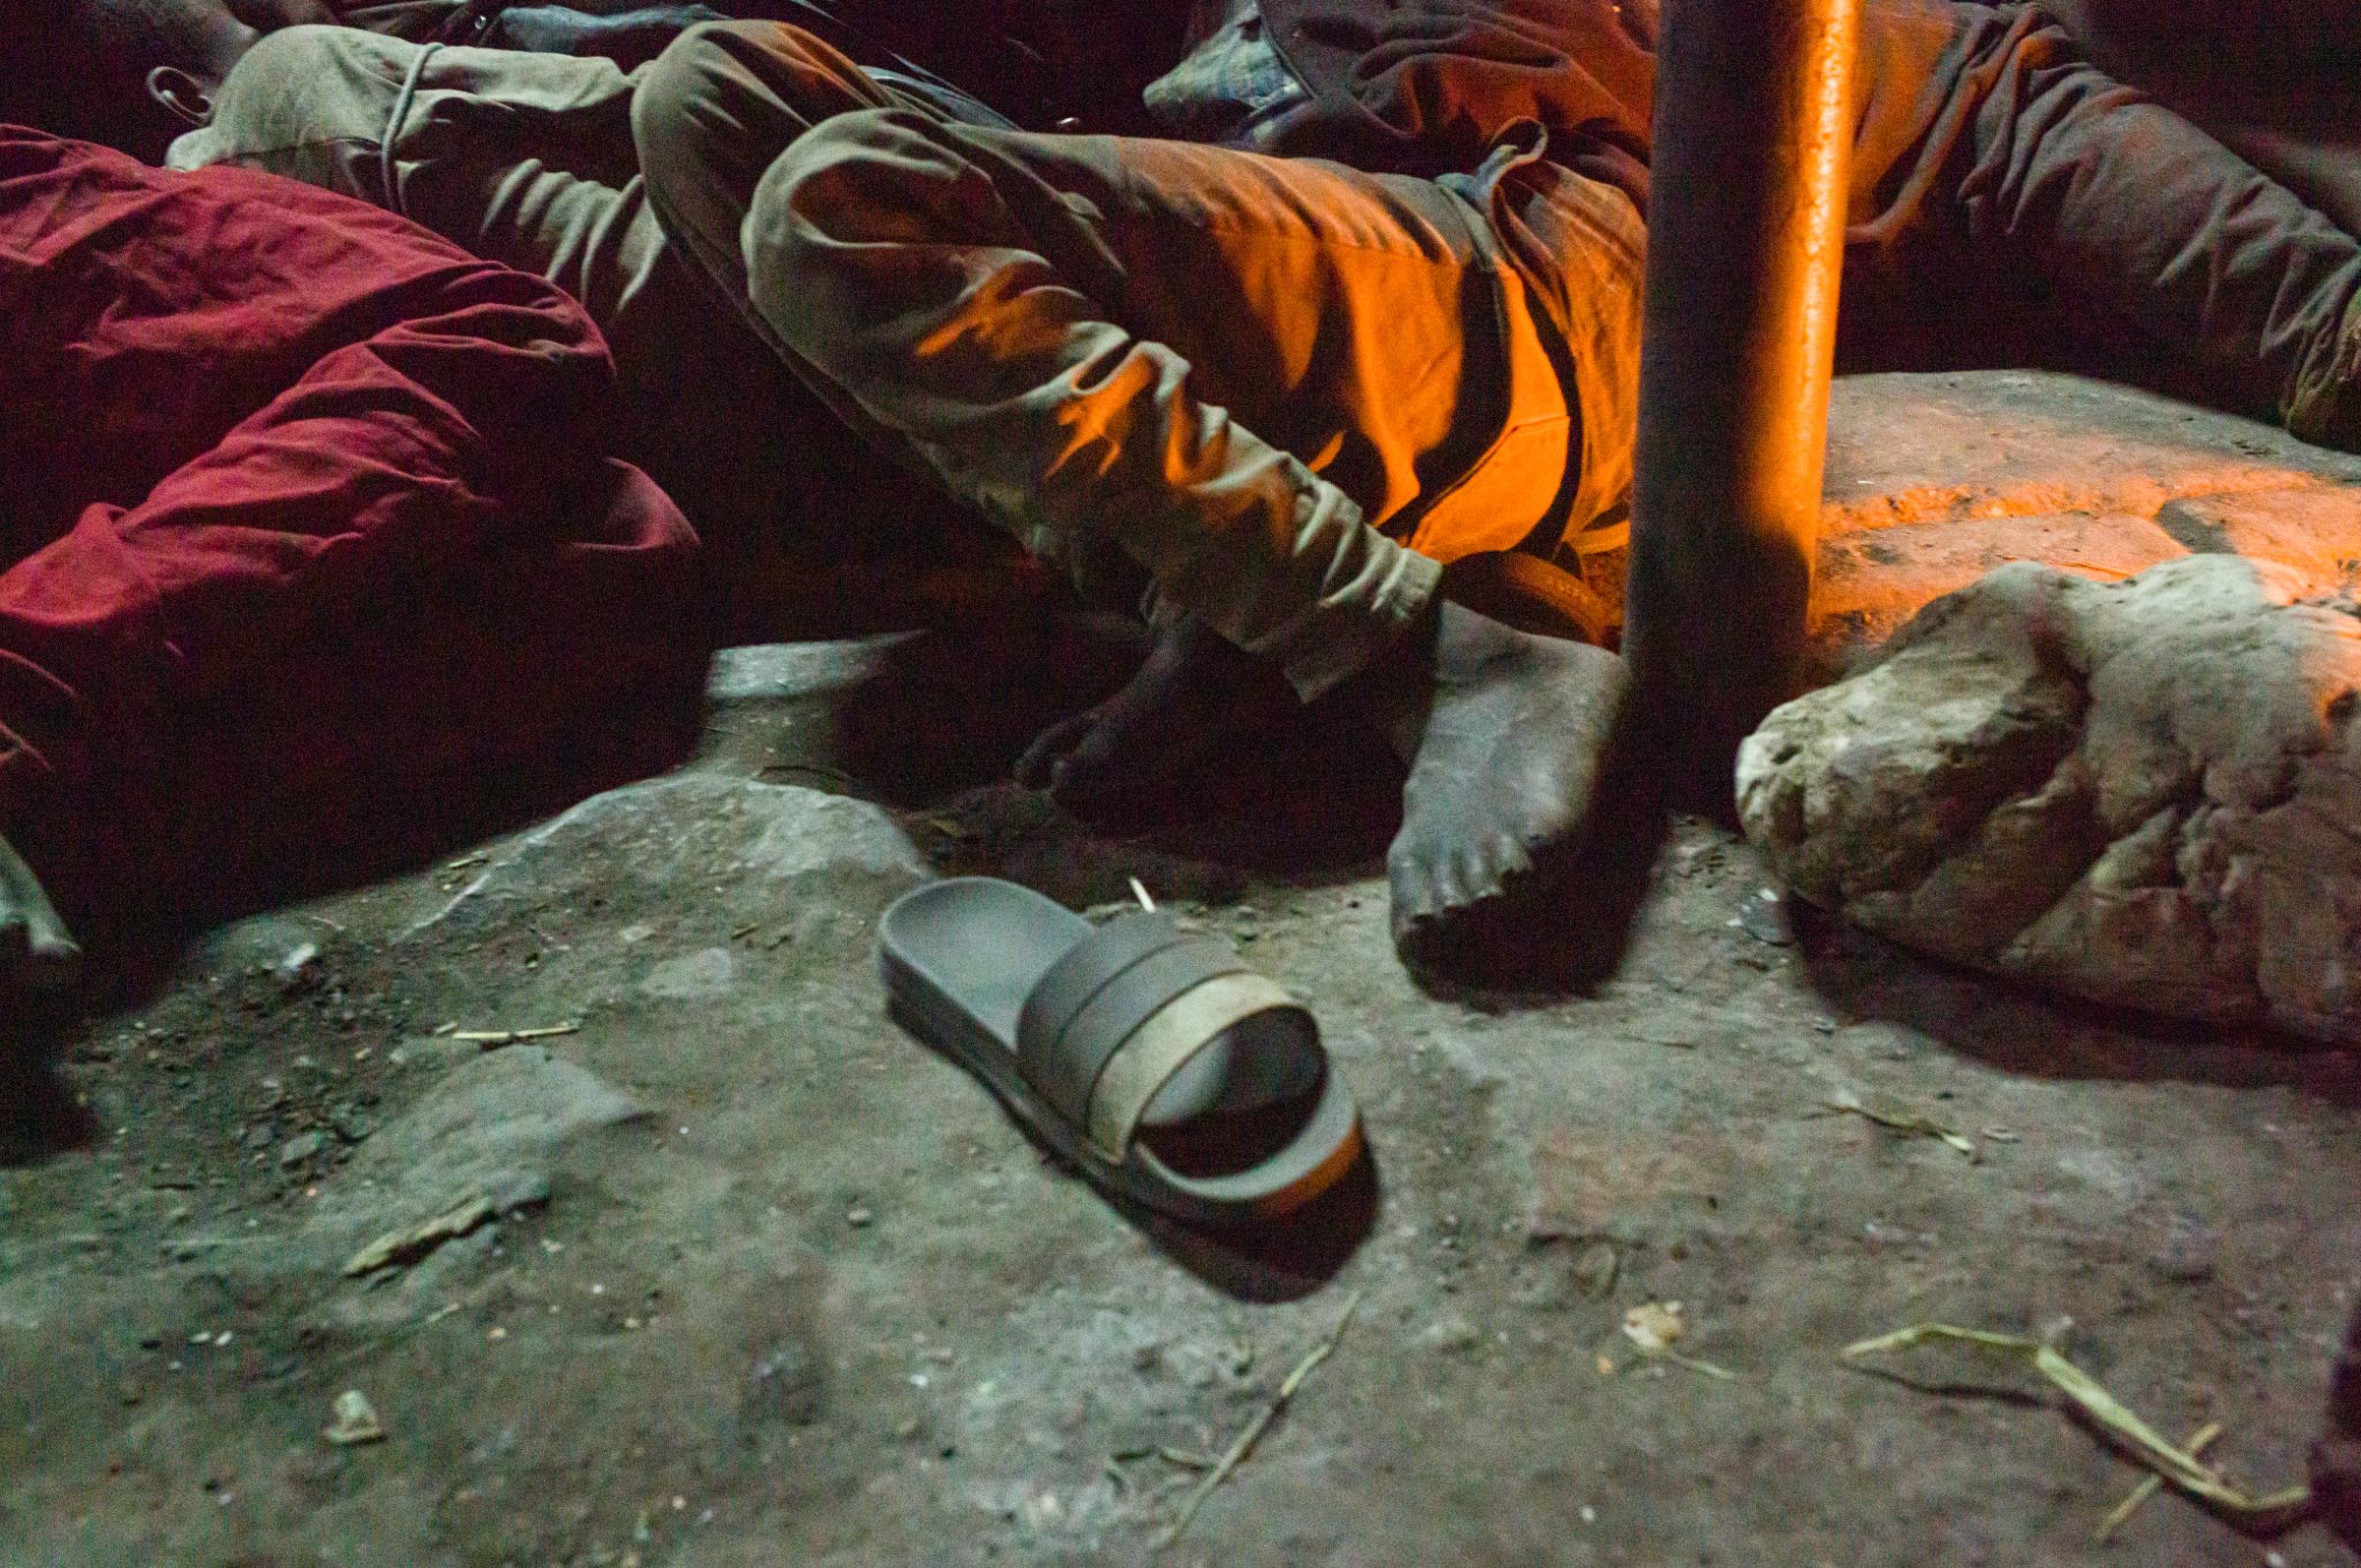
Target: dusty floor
775,1285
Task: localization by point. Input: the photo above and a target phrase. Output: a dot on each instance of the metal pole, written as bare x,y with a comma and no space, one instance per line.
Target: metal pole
1745,234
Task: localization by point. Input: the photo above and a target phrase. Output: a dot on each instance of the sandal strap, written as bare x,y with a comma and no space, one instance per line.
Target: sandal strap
1162,1044
1096,995
1079,973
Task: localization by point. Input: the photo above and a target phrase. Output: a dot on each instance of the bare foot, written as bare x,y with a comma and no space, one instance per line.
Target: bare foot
1506,734
1195,698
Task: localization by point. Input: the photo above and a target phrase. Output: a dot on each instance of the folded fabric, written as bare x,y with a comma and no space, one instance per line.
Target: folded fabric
256,428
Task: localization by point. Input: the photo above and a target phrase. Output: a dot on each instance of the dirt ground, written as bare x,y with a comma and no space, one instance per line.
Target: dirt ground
768,1283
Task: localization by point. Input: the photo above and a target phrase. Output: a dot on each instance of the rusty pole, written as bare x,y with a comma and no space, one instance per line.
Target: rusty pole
1745,234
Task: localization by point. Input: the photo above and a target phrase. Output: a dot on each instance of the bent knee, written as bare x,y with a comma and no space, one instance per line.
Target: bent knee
719,78
672,118
838,218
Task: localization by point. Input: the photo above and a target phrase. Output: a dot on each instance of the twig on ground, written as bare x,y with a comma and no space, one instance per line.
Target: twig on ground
1245,1444
410,1242
2272,1514
488,1038
1920,1126
1694,1364
2152,1483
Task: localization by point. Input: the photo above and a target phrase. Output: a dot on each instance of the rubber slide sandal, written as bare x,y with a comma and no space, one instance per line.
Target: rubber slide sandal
1151,1058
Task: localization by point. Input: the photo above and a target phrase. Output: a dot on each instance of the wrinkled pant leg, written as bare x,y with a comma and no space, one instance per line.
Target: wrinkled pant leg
709,117
1021,310
714,110
2124,205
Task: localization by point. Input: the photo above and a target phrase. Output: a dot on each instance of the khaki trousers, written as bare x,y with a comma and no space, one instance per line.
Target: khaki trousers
1279,388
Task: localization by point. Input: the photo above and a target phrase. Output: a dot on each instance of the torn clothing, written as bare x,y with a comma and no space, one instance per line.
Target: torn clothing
304,507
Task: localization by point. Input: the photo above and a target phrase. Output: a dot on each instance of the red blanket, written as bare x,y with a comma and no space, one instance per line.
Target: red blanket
303,510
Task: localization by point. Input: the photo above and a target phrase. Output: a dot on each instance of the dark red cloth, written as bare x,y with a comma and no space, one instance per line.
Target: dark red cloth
294,497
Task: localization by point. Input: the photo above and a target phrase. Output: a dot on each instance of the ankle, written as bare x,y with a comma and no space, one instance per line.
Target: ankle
1395,692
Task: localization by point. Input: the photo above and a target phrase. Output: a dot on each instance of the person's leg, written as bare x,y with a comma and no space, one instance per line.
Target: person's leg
1090,339
1225,366
711,113
317,431
2116,202
1220,367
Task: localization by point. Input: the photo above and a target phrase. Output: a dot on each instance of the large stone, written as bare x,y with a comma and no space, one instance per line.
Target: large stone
2146,793
686,828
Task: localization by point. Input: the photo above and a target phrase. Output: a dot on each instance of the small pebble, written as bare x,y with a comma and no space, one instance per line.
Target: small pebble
355,1421
859,1217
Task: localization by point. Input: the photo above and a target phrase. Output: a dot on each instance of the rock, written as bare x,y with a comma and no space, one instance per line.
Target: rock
1919,447
1934,480
1449,1333
488,1131
796,671
785,1385
355,1422
1764,916
1655,1326
1628,1185
2145,793
1870,583
2188,1252
294,970
303,1146
689,828
833,832
699,976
